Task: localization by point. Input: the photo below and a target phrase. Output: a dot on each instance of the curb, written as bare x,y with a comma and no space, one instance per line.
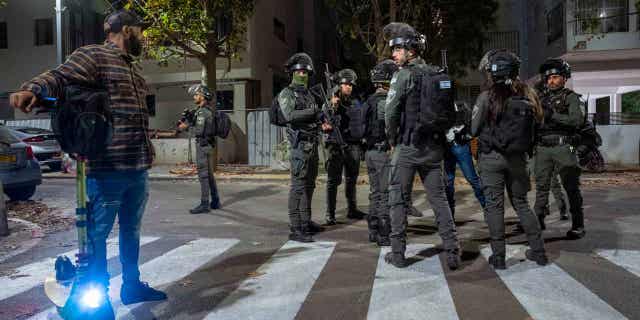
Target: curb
218,178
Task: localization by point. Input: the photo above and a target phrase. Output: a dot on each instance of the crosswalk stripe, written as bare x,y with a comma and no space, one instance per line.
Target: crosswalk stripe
32,275
280,286
165,269
549,292
419,291
627,259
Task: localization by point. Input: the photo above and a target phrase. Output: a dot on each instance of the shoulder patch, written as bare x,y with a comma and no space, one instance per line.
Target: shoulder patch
445,84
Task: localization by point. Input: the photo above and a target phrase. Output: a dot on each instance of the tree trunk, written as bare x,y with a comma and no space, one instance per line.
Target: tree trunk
4,224
209,79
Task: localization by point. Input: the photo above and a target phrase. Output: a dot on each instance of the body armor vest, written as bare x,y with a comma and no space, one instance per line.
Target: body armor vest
556,102
375,127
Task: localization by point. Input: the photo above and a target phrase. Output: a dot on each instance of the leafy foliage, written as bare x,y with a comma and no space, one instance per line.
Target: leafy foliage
631,102
458,26
3,3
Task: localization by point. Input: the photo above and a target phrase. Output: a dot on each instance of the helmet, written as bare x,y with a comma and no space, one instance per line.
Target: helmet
502,65
299,61
201,90
553,66
383,72
400,34
346,76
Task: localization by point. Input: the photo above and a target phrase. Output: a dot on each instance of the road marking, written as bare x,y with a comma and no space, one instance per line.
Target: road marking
627,259
32,275
163,270
280,286
419,291
549,292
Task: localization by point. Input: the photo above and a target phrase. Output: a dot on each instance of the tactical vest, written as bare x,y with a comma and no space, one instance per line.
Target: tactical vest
304,100
513,132
556,102
375,127
429,110
356,126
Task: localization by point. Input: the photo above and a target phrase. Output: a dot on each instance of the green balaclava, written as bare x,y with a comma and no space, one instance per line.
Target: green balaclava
300,80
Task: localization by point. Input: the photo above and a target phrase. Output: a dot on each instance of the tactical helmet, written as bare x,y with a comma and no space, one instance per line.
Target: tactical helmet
502,65
201,90
383,71
299,61
553,66
400,34
346,76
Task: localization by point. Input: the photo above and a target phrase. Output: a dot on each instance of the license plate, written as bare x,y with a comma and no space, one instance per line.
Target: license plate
7,158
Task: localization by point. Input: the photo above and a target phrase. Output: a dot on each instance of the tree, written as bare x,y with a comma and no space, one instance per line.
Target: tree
200,29
3,3
456,25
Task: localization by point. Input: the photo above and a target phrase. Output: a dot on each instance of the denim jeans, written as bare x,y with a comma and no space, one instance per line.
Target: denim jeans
461,155
121,193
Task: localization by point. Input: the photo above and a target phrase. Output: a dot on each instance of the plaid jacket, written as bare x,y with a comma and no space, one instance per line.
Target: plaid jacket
109,66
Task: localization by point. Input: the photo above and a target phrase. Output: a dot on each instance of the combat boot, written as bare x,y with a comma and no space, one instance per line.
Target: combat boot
497,262
564,216
355,214
383,241
396,259
414,212
539,258
330,219
576,233
300,236
453,259
202,208
384,229
215,204
543,226
314,227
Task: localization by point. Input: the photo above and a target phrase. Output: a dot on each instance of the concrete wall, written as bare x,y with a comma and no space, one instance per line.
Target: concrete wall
620,144
23,60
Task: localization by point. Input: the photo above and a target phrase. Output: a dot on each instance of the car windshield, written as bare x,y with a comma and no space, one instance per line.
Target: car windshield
6,136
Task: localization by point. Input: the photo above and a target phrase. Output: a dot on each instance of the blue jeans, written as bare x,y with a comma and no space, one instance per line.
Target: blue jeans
122,193
461,155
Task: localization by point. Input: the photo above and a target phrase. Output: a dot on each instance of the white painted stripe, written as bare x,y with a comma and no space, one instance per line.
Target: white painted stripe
280,286
32,275
627,259
549,292
163,270
419,291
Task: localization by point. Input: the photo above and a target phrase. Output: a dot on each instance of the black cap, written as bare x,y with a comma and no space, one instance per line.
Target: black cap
115,21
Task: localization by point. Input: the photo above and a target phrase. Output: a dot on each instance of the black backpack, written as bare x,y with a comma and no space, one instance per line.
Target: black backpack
222,124
276,117
515,129
437,111
82,122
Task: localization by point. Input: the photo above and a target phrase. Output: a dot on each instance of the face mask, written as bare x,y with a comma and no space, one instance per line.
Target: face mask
301,80
134,46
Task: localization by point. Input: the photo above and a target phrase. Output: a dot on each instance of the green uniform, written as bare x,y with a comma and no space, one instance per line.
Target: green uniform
563,117
407,160
205,143
301,112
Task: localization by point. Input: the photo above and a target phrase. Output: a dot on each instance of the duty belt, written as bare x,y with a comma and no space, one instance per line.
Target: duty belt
553,141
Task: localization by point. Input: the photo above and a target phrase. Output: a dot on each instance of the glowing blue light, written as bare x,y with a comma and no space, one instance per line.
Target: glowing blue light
92,298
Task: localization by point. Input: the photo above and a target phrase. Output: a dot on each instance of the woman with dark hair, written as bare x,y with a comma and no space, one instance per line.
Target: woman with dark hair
504,119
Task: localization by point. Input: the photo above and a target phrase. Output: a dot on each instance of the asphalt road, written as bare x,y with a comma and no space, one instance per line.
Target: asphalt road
237,263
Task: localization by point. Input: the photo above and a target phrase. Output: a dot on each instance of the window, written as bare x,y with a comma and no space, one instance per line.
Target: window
224,100
44,32
509,40
278,29
555,23
4,43
601,16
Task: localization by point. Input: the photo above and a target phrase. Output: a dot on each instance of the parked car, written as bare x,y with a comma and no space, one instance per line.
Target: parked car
19,169
43,143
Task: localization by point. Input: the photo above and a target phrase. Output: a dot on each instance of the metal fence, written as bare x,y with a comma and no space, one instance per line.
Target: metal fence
615,118
263,138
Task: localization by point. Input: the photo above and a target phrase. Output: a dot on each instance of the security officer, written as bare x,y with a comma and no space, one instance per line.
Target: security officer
500,167
349,117
422,154
302,115
205,143
564,116
377,159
